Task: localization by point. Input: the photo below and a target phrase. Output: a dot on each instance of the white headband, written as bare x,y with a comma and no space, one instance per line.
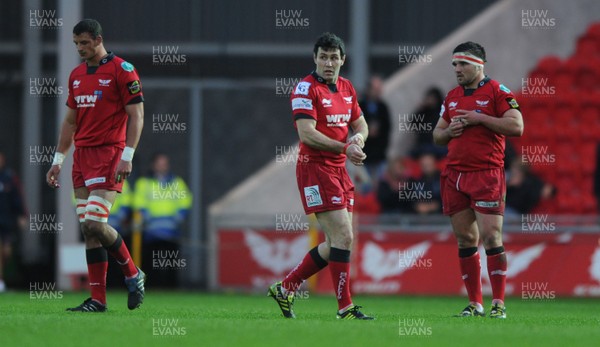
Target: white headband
467,58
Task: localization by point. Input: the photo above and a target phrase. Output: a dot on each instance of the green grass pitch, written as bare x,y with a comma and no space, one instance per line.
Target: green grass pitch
196,319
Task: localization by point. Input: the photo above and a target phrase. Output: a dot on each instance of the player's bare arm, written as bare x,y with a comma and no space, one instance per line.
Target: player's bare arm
361,132
310,136
510,124
65,140
444,132
134,131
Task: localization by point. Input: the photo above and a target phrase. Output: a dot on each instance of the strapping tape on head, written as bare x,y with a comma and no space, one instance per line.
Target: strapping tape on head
467,57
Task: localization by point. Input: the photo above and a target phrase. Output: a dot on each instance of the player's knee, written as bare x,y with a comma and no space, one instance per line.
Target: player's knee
92,228
96,216
467,239
492,240
345,239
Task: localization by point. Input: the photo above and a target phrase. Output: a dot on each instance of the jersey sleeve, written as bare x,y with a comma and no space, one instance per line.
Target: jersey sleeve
71,97
356,110
505,100
444,110
304,101
129,84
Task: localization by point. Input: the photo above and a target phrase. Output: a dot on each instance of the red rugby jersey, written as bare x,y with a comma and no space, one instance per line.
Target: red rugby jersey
100,94
334,107
478,148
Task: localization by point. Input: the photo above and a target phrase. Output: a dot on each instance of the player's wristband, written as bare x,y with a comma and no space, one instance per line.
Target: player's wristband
345,148
127,154
58,159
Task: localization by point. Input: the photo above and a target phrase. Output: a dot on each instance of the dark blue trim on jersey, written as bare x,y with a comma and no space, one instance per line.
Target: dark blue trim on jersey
92,69
470,91
136,100
332,87
302,116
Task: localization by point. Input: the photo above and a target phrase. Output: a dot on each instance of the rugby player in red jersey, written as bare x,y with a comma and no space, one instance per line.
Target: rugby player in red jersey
105,115
324,106
475,118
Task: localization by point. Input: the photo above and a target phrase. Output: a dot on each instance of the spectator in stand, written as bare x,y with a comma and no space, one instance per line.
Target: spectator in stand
428,114
524,190
388,188
12,213
377,115
429,183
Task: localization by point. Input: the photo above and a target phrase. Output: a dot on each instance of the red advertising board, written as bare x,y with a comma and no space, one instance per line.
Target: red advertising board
424,263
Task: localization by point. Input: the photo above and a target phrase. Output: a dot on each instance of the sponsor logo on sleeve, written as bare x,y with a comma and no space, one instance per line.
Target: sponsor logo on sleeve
302,104
442,110
512,103
504,89
312,196
127,66
302,88
134,87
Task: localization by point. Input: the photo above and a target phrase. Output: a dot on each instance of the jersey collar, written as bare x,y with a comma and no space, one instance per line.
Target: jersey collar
110,56
470,91
332,87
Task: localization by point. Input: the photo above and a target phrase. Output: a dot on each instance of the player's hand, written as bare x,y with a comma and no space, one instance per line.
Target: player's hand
469,117
123,171
52,176
456,127
357,139
355,154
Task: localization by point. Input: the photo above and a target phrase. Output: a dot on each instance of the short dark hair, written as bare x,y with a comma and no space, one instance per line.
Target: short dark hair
328,41
91,26
473,48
